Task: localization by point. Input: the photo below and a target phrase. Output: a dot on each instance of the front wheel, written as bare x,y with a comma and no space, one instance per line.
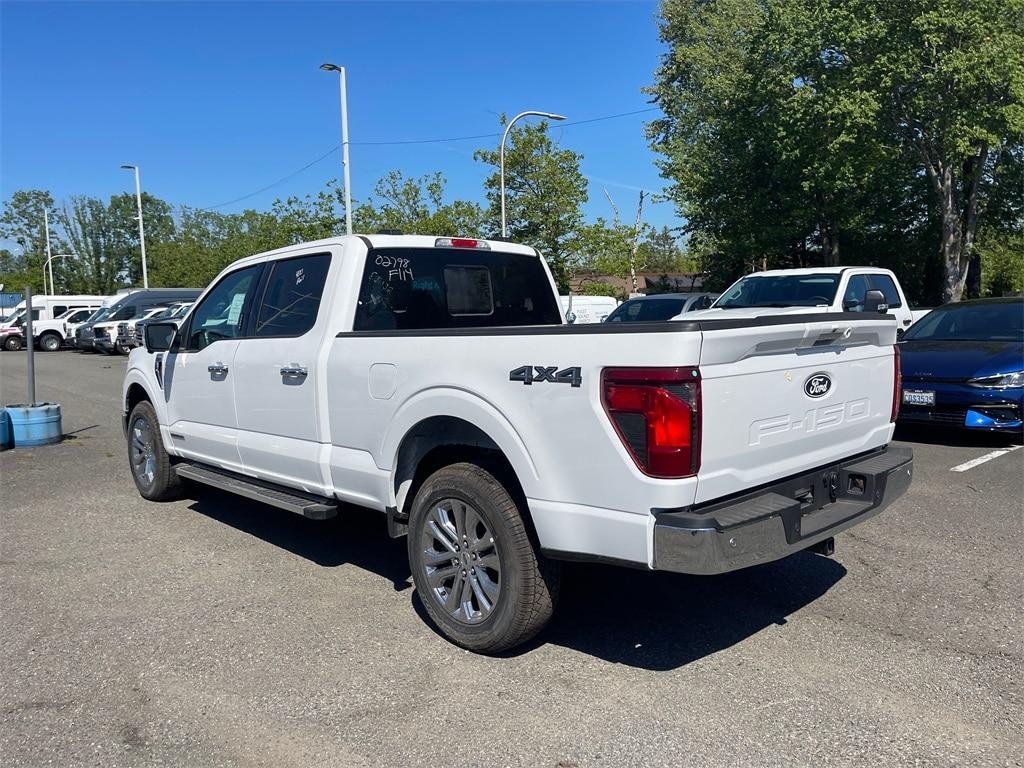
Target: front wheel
50,342
149,462
475,568
12,343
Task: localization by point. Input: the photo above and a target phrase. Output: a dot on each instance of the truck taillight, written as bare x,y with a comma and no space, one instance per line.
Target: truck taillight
656,413
897,383
461,242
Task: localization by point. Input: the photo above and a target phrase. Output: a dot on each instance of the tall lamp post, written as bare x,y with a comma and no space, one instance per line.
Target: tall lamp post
327,67
501,155
46,226
48,267
142,229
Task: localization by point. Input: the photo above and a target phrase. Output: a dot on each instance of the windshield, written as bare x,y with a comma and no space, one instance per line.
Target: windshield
780,291
998,321
646,310
124,312
99,314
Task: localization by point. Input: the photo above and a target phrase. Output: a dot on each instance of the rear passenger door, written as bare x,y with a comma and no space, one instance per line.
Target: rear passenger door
280,429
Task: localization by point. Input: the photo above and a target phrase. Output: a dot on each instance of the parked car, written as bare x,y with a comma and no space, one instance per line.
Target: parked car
174,313
12,338
660,306
101,335
587,309
125,330
818,289
963,366
47,307
434,380
51,335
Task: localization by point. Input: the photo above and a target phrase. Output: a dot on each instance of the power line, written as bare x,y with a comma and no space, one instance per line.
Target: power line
336,147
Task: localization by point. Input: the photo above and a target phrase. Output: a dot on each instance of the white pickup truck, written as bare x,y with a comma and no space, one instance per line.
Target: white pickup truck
434,380
817,289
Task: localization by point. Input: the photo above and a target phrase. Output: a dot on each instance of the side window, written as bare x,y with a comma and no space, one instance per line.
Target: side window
59,309
221,315
291,299
885,284
853,299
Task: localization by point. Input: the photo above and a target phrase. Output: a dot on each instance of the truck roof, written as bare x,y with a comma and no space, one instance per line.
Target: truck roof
391,241
817,271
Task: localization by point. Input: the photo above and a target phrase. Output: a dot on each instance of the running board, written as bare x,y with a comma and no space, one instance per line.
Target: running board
305,504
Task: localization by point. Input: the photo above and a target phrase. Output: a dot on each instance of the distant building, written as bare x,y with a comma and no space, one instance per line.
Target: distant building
647,282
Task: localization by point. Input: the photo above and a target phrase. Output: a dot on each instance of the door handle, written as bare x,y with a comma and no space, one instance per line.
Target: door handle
217,368
293,371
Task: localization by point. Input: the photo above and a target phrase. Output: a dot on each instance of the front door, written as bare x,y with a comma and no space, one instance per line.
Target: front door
199,377
280,431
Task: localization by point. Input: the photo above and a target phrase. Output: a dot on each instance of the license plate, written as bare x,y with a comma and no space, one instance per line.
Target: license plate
918,397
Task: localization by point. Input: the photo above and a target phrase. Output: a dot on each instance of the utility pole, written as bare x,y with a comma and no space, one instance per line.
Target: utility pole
46,226
142,229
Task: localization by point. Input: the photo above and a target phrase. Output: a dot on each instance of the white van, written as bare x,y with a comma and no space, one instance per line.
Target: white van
51,307
587,309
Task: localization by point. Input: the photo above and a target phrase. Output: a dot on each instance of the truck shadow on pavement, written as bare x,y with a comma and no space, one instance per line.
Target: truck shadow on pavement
649,620
661,621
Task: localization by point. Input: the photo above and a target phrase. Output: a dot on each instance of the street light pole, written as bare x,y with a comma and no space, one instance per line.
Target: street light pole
49,266
46,226
501,155
142,229
344,141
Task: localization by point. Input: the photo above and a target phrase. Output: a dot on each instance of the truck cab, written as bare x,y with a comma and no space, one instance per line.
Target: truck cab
816,289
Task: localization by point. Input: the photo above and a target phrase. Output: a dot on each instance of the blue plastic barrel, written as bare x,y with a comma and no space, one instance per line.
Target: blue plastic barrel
35,424
5,431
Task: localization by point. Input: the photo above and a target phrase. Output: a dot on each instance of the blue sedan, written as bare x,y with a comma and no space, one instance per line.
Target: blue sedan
963,366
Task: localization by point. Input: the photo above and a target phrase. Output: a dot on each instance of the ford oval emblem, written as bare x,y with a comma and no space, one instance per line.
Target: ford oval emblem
818,385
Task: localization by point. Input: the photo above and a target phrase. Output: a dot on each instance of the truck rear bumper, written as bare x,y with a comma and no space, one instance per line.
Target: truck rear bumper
785,517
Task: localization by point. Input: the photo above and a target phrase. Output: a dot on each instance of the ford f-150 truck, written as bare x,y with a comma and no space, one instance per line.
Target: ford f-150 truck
435,380
817,289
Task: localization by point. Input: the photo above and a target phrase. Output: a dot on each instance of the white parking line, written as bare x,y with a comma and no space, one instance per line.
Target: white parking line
982,459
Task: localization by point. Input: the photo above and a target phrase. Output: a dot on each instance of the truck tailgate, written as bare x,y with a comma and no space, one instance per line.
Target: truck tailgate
787,396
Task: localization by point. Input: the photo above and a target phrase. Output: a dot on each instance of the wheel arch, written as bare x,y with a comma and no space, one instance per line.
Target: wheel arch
446,425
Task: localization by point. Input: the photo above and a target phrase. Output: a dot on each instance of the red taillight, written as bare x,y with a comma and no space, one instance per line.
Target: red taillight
656,413
897,383
461,242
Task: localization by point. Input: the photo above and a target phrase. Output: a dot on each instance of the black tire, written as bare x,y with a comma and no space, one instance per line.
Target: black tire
12,343
50,342
144,430
528,582
120,348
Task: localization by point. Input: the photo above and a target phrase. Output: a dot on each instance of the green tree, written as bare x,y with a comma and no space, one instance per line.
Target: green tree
417,206
814,131
544,192
22,222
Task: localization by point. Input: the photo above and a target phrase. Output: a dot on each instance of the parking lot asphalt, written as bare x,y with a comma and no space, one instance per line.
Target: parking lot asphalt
216,631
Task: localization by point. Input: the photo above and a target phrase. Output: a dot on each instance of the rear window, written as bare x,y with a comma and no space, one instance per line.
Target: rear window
423,288
646,310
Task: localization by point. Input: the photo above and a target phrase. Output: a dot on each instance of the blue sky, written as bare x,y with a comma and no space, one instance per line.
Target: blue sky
216,100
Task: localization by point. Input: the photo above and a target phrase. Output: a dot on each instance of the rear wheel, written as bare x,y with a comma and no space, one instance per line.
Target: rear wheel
476,570
50,342
149,462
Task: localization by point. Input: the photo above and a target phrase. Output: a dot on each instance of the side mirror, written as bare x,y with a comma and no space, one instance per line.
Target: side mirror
159,336
874,301
849,304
